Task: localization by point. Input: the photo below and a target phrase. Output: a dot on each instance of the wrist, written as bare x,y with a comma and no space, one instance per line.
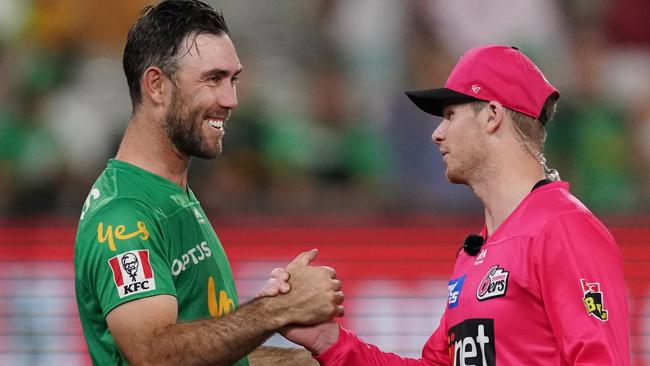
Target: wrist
325,340
275,314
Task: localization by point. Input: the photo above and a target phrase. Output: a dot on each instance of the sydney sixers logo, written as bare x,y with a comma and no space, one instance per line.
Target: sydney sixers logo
494,284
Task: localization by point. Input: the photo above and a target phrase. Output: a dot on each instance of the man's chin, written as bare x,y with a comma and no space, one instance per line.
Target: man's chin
454,178
209,154
204,153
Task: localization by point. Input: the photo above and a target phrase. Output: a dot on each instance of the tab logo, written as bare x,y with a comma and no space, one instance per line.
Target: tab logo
494,284
455,286
132,272
593,299
471,342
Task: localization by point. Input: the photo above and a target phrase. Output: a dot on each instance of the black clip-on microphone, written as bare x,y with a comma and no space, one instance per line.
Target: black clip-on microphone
473,244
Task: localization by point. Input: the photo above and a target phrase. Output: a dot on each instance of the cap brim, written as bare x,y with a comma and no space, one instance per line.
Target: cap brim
434,100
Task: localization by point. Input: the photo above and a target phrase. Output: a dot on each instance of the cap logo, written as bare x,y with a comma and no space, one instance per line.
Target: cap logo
475,88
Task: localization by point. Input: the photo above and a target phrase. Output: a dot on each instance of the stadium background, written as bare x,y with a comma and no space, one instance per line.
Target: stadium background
325,151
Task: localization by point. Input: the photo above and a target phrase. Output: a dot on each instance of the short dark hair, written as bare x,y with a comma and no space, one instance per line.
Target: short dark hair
156,37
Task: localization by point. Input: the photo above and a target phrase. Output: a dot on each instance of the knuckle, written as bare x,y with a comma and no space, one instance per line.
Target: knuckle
331,271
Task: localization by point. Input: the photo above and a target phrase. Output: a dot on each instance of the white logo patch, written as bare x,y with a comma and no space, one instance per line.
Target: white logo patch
481,257
132,272
494,284
199,218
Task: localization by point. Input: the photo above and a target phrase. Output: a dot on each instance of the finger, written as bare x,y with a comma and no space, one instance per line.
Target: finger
270,289
330,270
285,288
339,312
280,274
303,258
339,297
336,285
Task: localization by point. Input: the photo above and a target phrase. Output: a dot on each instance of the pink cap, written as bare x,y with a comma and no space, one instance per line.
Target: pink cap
499,73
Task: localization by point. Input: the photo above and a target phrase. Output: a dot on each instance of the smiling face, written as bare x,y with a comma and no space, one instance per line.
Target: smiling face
203,95
460,142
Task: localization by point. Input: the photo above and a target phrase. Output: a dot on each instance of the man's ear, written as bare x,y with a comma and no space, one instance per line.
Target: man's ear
495,116
153,85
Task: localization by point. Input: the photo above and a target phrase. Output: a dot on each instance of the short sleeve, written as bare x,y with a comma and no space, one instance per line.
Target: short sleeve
120,254
580,271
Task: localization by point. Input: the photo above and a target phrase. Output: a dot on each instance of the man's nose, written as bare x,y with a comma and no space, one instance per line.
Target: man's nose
228,97
439,133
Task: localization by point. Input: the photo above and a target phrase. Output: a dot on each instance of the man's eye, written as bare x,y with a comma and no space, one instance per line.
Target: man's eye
234,81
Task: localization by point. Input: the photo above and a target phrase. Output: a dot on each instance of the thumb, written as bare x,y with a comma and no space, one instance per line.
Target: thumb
303,258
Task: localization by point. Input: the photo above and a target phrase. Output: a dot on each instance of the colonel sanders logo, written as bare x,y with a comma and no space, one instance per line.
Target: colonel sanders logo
132,272
130,264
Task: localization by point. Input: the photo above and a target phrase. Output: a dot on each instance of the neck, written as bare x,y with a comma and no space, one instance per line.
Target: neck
146,145
504,189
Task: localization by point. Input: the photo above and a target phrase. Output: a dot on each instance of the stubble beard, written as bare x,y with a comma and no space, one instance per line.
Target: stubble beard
453,176
467,163
468,170
183,129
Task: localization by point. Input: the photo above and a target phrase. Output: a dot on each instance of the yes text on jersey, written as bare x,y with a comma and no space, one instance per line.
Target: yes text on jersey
120,233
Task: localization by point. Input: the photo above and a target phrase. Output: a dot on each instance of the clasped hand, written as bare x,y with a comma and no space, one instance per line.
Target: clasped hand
315,297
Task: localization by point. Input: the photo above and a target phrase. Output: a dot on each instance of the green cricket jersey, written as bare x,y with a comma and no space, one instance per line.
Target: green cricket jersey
141,235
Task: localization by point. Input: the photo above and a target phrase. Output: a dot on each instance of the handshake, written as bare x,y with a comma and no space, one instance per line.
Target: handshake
306,299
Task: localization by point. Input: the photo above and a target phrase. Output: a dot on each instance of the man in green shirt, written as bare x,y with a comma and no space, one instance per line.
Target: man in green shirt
152,281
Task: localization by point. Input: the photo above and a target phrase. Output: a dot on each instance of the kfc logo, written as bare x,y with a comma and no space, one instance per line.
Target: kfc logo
132,272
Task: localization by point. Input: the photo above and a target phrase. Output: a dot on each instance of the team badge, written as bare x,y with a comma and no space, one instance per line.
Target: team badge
455,285
494,284
132,272
593,299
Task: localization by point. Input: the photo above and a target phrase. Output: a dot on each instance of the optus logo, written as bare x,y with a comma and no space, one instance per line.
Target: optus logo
193,256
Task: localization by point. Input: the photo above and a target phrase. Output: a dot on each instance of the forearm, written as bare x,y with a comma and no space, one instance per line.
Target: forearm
349,350
274,356
220,341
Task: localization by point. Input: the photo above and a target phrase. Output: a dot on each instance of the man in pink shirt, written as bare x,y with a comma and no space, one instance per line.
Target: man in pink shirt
543,282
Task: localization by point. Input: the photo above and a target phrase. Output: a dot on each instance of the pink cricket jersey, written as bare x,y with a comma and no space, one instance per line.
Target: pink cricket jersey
546,289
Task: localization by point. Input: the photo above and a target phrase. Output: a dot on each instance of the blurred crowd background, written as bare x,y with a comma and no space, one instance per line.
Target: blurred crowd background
323,125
